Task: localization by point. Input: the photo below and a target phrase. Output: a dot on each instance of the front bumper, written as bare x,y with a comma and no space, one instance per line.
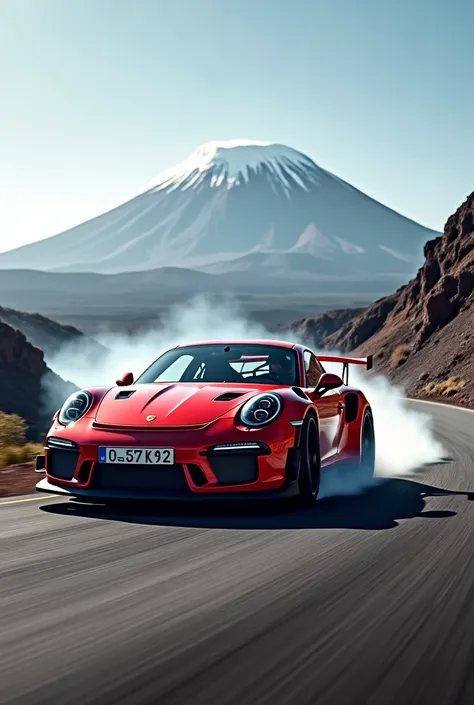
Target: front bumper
198,473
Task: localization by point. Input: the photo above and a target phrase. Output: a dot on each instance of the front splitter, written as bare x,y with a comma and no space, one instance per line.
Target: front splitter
287,491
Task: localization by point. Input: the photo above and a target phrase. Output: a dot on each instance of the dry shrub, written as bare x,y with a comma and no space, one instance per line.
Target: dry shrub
12,430
11,455
399,355
13,446
447,388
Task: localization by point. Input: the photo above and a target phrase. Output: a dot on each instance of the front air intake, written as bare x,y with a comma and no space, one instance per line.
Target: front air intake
234,469
197,475
140,478
62,463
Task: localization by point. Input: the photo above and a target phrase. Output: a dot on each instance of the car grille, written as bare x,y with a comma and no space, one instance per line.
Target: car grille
62,463
234,470
107,476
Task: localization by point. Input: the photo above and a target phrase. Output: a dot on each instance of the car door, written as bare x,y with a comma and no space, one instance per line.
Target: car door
329,407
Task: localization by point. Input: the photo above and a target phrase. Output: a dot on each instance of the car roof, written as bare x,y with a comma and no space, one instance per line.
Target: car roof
272,343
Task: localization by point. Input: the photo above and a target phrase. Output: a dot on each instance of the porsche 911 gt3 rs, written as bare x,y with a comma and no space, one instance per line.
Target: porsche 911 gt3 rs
212,420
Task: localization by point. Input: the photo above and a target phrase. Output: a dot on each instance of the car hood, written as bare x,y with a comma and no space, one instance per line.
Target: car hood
172,405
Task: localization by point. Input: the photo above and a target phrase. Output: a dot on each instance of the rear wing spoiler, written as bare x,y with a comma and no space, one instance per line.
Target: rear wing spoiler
367,362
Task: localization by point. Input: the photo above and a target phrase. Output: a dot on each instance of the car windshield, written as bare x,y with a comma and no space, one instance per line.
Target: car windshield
237,364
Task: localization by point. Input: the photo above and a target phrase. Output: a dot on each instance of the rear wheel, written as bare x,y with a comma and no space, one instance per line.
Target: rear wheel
310,466
367,446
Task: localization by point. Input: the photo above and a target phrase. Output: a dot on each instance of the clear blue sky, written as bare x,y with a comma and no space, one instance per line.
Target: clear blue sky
97,96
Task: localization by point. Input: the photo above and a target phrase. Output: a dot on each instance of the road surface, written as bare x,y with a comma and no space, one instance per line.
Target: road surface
365,601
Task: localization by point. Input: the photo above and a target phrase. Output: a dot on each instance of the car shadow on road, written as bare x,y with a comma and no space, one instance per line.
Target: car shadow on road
380,507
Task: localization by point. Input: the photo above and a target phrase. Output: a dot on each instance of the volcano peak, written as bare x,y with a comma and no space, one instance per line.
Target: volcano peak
228,163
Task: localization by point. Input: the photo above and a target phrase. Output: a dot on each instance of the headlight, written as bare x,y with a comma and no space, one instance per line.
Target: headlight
74,407
261,409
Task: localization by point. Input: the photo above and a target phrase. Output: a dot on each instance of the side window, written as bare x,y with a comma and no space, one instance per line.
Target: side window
312,368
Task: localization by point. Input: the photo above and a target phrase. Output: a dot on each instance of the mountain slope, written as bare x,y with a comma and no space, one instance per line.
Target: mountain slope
318,328
423,334
130,300
237,201
48,335
27,386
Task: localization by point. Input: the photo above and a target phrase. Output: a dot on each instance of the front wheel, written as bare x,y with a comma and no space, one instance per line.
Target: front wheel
310,466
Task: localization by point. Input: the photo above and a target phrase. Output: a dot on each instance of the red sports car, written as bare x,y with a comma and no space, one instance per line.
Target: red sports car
212,420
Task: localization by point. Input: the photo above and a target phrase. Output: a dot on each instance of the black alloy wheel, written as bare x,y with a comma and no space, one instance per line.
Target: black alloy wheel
367,446
310,467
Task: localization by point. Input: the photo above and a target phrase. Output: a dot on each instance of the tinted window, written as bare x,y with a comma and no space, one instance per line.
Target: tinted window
175,370
238,364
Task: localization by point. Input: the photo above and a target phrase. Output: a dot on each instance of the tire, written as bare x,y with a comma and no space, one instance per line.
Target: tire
309,477
367,447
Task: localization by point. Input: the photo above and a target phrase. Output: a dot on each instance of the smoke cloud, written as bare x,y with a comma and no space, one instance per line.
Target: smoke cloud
405,437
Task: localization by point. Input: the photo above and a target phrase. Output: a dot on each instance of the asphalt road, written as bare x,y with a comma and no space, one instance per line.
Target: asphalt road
367,600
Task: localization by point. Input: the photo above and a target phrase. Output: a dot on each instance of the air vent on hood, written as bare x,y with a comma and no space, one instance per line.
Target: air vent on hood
229,396
126,394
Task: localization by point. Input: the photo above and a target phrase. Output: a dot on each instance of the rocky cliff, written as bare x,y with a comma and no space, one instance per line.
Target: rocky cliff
423,334
27,386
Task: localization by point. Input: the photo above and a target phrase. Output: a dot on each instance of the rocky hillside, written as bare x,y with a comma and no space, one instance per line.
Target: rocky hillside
47,334
27,386
423,334
318,328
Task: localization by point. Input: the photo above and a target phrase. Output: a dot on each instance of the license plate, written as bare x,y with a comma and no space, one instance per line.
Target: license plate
137,456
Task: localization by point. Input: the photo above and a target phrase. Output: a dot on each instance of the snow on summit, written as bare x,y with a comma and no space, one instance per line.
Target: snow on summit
240,207
232,162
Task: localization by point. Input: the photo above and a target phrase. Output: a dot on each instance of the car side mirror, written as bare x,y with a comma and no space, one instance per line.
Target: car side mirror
126,380
328,381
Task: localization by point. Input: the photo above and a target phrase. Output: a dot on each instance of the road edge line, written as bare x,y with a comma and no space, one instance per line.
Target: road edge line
440,403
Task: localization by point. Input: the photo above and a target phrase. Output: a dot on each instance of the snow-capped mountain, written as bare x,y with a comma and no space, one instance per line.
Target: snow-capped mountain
233,163
240,206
